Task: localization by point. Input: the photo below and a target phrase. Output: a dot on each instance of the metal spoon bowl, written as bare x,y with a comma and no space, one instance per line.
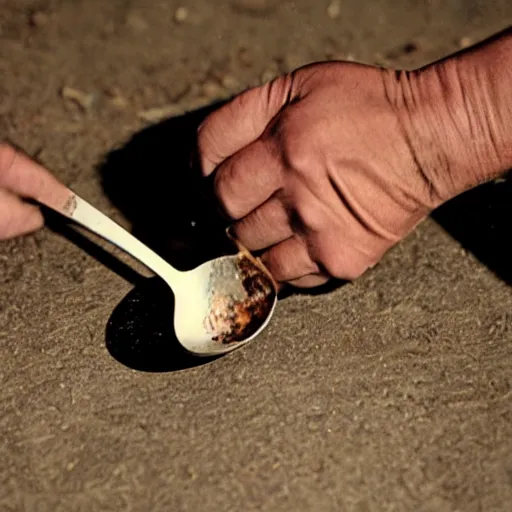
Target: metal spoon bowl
219,306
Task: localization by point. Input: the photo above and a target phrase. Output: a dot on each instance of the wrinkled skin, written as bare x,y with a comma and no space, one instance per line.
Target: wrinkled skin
324,169
317,171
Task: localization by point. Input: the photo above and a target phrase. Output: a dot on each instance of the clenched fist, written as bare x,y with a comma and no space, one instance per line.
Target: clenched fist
317,171
324,169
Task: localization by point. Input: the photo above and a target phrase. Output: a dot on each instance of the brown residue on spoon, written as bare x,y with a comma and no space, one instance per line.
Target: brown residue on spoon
70,205
236,317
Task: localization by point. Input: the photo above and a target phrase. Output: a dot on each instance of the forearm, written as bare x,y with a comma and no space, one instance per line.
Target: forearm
459,117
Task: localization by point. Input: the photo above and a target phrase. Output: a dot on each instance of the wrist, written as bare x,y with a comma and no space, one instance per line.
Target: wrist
457,115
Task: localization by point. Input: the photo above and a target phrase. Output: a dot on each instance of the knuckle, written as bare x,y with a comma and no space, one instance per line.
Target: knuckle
299,144
309,218
296,153
340,268
341,263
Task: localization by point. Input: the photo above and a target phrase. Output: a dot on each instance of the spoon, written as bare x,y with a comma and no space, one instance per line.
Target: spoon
219,305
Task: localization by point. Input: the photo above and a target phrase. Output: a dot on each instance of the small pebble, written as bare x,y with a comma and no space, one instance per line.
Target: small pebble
39,19
465,42
112,91
212,89
230,82
334,9
71,465
181,14
119,102
82,99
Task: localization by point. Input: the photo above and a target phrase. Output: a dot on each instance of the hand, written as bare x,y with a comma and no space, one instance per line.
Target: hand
20,178
316,171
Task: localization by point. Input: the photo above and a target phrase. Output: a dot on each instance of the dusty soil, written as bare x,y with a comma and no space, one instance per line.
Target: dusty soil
392,393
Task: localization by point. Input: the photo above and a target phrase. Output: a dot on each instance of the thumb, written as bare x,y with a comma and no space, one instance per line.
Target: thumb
241,121
17,217
26,178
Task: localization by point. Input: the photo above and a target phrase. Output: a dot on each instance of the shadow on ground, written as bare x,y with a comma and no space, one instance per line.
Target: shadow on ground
156,183
154,180
480,221
139,333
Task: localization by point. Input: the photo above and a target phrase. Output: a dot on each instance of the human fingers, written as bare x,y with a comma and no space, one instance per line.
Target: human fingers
266,226
28,179
289,260
247,179
240,122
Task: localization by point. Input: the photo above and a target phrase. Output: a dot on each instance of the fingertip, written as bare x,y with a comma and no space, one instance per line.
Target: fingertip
309,281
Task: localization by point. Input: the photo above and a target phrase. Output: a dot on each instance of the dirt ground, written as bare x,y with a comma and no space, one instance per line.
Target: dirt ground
389,394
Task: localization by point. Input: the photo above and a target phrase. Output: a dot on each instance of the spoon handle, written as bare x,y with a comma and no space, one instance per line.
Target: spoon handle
80,211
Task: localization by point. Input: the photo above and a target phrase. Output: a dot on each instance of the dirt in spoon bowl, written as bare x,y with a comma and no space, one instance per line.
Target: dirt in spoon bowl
237,313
